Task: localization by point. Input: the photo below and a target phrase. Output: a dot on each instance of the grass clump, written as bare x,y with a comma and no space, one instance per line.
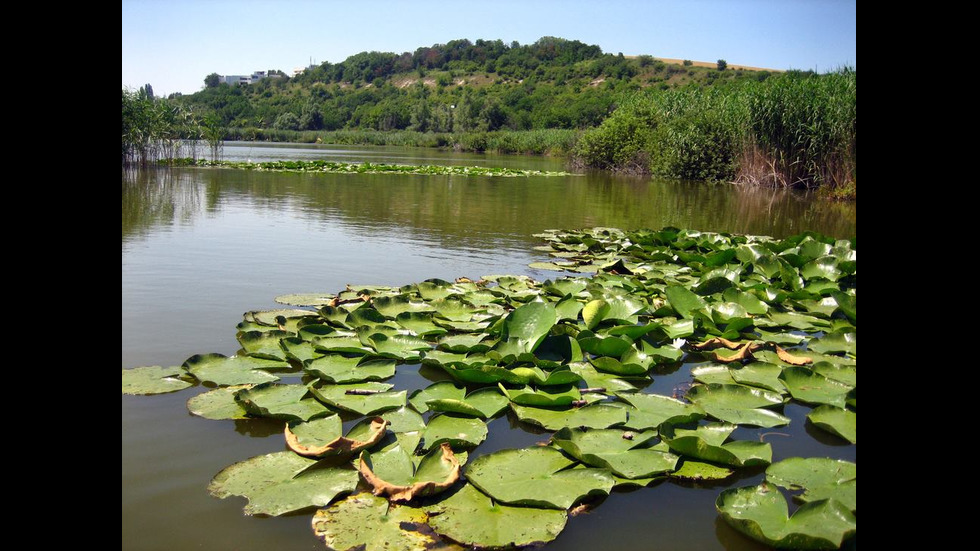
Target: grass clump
789,130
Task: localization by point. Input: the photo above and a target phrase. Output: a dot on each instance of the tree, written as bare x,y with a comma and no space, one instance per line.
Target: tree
212,80
149,91
722,64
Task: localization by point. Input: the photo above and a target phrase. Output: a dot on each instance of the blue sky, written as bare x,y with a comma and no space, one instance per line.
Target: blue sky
174,44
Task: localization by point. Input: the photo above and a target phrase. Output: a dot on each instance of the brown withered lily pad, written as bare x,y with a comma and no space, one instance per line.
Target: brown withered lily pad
338,446
436,473
791,359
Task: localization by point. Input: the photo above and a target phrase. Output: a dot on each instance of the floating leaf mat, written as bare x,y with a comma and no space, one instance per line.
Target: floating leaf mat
767,323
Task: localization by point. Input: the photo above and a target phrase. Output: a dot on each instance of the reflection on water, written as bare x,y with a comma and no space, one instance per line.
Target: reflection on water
202,246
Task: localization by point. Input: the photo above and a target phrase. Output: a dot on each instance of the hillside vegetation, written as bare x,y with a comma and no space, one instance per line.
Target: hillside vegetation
635,114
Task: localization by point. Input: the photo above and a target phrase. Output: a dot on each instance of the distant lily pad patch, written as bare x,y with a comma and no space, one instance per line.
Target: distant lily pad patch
594,363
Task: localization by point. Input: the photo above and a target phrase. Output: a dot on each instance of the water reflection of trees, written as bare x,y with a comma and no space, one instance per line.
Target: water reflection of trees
455,211
157,197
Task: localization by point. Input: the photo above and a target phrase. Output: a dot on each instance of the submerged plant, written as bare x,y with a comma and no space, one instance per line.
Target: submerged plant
571,356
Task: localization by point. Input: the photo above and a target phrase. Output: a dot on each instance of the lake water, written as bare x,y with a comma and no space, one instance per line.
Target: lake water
200,247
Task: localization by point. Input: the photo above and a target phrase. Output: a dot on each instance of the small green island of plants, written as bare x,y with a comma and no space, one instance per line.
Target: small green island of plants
360,168
769,321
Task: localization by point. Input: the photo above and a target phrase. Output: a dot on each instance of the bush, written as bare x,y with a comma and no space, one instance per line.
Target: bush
722,64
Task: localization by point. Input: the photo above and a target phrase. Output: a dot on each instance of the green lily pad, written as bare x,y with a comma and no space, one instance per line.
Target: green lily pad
463,343
393,306
153,380
218,404
708,443
617,310
340,344
759,374
299,350
403,419
282,482
526,327
369,523
472,518
839,421
420,323
652,410
485,403
819,477
273,318
610,382
761,513
593,416
684,301
712,373
334,368
542,397
435,391
835,342
306,299
400,347
808,386
454,309
619,451
457,430
738,404
228,371
363,404
278,401
536,477
264,344
699,471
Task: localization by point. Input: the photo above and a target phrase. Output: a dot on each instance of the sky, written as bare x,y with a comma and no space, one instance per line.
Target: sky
173,44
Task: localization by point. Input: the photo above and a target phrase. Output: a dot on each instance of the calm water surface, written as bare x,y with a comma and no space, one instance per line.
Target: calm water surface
202,246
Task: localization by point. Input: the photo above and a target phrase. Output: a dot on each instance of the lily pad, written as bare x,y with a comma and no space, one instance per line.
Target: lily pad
457,430
708,443
684,301
652,410
739,404
819,477
761,513
306,299
323,437
282,482
335,368
759,374
813,388
369,523
280,402
536,477
153,380
236,370
347,397
699,471
526,327
621,452
436,391
839,421
472,518
593,416
218,404
485,403
393,473
542,397
264,344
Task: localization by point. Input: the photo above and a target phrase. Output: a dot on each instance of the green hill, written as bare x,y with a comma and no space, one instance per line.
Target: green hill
460,86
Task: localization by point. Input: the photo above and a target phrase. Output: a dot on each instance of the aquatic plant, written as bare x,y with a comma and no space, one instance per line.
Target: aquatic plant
776,320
